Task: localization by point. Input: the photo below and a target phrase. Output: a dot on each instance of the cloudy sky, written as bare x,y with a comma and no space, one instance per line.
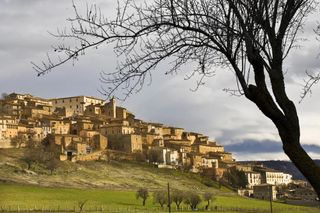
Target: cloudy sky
234,122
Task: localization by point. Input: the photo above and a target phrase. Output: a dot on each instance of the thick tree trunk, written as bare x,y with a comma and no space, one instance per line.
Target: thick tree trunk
289,131
304,163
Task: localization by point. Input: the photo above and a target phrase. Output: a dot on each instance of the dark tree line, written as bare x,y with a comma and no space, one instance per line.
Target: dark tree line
190,198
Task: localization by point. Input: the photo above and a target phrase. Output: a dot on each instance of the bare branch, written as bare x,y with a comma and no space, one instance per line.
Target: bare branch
309,83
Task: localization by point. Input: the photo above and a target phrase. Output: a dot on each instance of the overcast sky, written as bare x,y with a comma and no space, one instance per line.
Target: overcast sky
234,122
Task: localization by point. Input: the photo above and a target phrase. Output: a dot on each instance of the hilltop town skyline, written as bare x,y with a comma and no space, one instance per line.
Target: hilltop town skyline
231,120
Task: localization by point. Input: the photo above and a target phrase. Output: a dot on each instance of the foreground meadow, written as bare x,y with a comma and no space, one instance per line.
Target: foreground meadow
21,198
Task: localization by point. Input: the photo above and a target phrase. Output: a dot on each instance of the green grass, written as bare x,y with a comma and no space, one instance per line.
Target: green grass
26,197
33,197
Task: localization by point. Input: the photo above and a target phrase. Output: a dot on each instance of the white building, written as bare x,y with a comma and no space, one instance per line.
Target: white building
274,177
287,178
6,123
253,178
170,157
75,105
3,127
165,156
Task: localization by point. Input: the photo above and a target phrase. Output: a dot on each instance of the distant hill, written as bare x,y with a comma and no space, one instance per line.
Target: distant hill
285,166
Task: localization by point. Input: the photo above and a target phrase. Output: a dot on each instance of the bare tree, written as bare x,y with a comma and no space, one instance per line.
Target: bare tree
142,193
160,197
177,197
208,196
193,200
50,157
250,37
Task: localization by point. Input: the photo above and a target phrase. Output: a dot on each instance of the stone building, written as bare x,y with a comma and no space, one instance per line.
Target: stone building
200,161
117,128
125,142
110,109
79,124
75,105
265,191
204,148
25,105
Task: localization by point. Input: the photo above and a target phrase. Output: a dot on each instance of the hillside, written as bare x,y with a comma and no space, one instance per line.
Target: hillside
98,174
285,166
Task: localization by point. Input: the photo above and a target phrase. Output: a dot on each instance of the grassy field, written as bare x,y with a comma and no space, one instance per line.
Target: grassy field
109,187
24,197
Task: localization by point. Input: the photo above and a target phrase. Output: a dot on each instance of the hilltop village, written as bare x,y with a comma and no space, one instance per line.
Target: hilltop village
84,128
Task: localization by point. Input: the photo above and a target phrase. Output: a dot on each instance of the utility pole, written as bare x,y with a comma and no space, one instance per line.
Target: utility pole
271,192
169,199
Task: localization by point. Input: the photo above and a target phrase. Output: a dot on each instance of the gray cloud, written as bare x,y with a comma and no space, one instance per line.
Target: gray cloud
265,146
253,146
